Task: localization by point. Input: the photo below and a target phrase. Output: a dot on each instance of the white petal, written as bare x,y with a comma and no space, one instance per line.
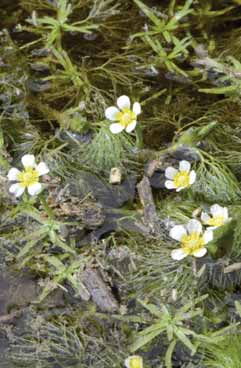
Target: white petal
13,174
110,113
127,362
34,189
180,188
177,232
194,226
28,161
42,168
136,108
178,254
169,184
123,102
216,210
184,166
205,217
131,126
208,236
170,172
200,253
116,128
192,177
16,189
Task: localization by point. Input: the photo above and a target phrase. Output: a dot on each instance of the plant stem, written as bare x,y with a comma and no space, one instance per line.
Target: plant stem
46,207
194,267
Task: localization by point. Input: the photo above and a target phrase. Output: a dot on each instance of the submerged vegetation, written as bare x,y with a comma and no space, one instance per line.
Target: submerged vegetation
120,174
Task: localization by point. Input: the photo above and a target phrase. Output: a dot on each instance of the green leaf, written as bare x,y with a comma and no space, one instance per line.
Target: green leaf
141,341
184,339
192,304
88,28
169,352
219,90
156,326
54,261
63,245
147,11
37,236
152,309
169,331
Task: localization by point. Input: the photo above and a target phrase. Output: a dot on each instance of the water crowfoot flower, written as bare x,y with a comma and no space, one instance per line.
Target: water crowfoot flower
192,239
28,178
134,361
125,117
180,179
219,216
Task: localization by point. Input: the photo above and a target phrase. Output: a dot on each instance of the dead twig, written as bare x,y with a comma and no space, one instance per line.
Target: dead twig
150,215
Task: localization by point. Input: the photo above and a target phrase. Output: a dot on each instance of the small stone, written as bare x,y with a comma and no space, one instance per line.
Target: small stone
115,175
174,295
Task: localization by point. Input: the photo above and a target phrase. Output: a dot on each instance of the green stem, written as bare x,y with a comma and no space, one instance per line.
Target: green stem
46,207
194,267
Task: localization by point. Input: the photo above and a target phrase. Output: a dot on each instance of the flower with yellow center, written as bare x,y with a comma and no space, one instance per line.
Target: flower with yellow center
28,178
192,240
134,361
218,217
124,116
180,179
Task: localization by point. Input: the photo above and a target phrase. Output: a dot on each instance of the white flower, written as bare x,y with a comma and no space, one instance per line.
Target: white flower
180,179
28,178
219,216
134,361
192,239
125,117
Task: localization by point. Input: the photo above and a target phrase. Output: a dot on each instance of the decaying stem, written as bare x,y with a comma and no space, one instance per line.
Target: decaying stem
150,215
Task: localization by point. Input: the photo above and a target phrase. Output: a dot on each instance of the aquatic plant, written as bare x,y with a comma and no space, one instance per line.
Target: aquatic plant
219,216
224,355
192,240
180,179
125,116
216,183
118,149
52,28
175,329
29,178
45,232
44,342
166,27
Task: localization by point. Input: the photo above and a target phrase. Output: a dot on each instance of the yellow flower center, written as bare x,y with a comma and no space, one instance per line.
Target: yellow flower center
125,117
181,179
136,362
216,221
28,177
192,242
